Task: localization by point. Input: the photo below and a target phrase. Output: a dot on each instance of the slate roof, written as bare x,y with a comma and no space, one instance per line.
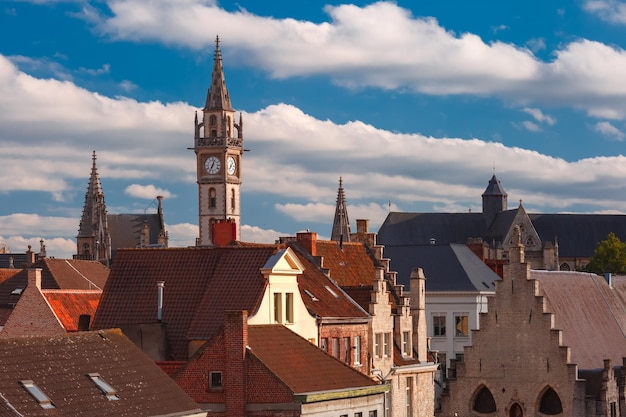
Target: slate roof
300,365
59,367
578,234
19,259
69,305
57,274
200,284
451,267
591,315
125,229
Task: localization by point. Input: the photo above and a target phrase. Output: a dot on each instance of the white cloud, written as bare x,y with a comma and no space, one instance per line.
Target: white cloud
149,192
106,68
531,126
607,129
538,115
612,11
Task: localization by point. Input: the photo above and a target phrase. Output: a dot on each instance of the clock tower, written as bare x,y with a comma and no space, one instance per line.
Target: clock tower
218,162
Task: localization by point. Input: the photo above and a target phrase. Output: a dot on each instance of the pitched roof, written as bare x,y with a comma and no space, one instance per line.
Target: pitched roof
6,273
451,267
125,229
322,296
60,365
69,305
494,187
200,284
591,315
349,264
302,366
57,274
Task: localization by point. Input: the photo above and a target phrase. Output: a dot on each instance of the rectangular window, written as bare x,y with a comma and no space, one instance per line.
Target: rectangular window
335,351
358,414
346,350
378,341
215,380
443,365
387,345
461,325
324,344
278,307
409,396
460,357
356,343
406,343
289,307
373,413
43,400
439,326
387,404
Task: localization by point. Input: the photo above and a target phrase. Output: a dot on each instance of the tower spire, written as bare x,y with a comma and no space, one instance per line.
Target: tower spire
217,97
94,241
341,223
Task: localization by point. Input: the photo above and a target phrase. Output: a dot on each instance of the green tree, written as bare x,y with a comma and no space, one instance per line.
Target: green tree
608,256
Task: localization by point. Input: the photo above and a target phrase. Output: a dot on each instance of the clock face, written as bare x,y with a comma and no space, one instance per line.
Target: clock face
212,165
232,165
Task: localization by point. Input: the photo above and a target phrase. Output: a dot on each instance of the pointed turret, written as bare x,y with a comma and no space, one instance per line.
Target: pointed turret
217,97
341,223
94,241
494,200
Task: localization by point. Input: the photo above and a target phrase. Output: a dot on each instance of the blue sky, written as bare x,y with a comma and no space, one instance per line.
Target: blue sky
413,104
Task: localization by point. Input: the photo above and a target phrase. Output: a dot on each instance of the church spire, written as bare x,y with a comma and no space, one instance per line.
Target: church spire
93,241
494,200
217,97
341,223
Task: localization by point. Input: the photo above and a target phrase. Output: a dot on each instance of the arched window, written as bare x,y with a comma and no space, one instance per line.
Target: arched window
529,241
86,248
212,120
564,267
550,403
484,401
212,198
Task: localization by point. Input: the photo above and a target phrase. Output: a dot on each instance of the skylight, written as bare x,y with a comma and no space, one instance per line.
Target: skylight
310,294
330,290
43,400
106,389
17,291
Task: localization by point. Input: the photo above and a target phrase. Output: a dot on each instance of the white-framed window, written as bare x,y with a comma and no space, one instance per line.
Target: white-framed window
346,350
378,343
406,343
387,345
289,307
439,325
409,396
335,351
278,307
356,344
461,325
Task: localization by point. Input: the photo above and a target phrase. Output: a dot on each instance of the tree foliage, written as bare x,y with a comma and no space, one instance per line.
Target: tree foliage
609,256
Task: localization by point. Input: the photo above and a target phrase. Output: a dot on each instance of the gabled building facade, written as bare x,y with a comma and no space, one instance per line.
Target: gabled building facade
551,344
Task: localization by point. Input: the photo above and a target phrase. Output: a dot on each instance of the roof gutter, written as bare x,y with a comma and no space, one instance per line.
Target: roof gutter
316,396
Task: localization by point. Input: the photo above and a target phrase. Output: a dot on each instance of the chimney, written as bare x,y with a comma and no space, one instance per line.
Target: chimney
30,256
362,225
417,286
308,241
34,277
236,343
160,287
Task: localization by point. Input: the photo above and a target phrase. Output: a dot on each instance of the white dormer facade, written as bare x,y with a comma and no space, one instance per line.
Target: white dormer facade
281,301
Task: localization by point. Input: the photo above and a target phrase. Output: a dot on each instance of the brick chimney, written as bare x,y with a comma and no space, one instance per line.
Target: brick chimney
236,342
308,241
34,277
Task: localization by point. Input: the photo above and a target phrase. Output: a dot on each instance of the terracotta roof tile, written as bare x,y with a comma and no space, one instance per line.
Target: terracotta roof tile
59,367
200,284
350,265
299,364
69,305
57,274
6,273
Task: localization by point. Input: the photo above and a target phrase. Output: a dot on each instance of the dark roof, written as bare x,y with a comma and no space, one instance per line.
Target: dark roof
19,260
57,274
299,364
591,314
200,284
451,267
125,229
60,365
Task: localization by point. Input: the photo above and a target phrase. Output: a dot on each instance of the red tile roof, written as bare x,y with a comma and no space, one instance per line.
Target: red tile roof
313,282
60,365
200,284
591,315
300,365
69,305
6,273
57,274
350,265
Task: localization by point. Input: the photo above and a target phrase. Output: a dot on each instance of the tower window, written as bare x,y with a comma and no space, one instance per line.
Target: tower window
484,401
550,403
212,198
232,199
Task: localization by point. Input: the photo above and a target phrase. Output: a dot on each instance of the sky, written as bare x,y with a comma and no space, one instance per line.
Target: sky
413,104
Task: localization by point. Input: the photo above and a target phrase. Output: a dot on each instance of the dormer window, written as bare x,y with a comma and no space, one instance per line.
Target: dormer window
17,291
106,389
43,400
330,290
